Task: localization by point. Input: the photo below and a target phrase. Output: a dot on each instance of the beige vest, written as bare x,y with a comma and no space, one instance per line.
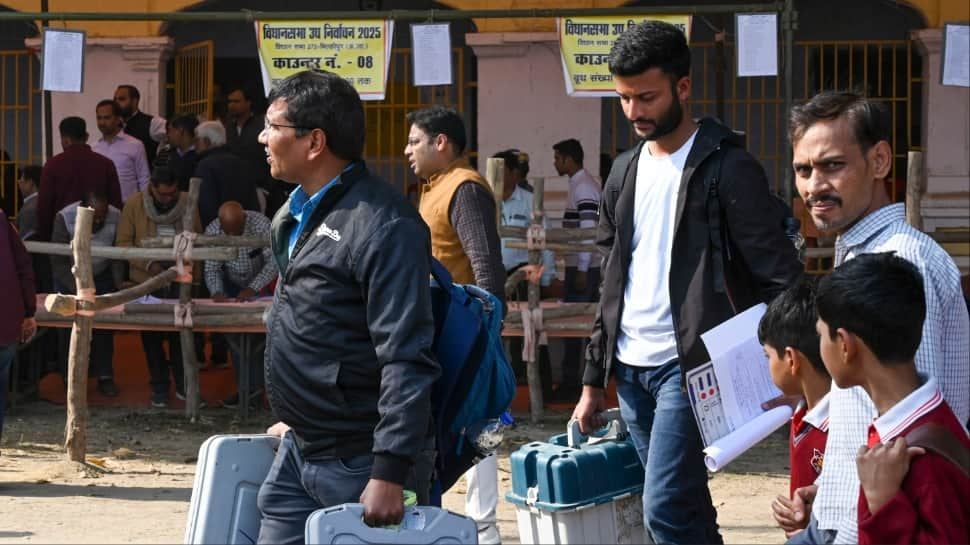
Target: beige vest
436,197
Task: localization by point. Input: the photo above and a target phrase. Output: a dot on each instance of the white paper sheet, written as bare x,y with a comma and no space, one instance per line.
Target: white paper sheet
729,447
956,55
431,51
147,300
63,60
757,44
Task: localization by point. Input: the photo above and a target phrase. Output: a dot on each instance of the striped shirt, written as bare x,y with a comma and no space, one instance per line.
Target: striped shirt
582,211
253,267
942,355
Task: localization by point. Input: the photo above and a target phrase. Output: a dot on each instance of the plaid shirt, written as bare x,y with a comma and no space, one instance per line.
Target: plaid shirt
253,267
942,355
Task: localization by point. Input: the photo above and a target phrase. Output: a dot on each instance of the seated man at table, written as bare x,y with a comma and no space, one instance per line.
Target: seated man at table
157,211
249,275
108,274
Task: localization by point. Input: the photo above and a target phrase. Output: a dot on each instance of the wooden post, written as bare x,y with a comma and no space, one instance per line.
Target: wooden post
75,431
495,174
915,186
535,258
190,366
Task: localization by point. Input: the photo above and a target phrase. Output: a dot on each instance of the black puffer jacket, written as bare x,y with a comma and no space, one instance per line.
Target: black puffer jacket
349,364
764,260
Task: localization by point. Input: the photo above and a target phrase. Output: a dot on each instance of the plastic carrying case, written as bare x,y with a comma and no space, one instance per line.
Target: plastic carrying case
421,525
575,489
230,470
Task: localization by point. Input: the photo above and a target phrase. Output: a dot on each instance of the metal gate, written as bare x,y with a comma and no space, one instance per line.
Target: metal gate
387,128
194,79
20,140
888,71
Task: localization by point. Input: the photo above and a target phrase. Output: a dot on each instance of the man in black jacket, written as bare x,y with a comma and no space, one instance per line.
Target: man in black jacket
147,128
225,177
663,282
349,365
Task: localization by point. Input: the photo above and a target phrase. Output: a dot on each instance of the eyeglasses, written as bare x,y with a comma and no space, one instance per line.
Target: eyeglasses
278,126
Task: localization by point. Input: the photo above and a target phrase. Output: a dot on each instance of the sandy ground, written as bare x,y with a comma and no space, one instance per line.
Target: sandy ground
148,457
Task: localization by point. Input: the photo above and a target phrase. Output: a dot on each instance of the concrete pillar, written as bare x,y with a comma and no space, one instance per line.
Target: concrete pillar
946,140
522,103
109,62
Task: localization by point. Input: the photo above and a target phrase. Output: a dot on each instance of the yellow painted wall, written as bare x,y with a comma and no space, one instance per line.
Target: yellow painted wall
936,12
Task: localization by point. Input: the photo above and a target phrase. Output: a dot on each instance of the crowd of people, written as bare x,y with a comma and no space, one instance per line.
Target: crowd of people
689,235
135,177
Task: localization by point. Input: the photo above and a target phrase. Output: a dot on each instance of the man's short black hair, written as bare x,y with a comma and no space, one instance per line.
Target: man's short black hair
880,298
651,44
440,120
74,127
185,122
115,107
32,173
515,160
247,93
163,175
323,100
570,148
132,91
870,120
790,321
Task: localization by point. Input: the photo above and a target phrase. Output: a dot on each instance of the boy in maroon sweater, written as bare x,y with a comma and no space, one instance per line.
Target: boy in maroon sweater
787,331
871,311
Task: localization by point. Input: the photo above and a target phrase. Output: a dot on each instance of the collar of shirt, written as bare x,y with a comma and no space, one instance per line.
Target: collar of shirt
302,206
818,417
30,197
869,226
518,195
902,415
580,174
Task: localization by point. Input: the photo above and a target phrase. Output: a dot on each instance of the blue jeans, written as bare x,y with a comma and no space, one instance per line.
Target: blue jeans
7,354
677,505
294,488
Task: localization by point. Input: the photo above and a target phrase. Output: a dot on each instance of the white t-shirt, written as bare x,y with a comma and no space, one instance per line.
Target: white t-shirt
647,337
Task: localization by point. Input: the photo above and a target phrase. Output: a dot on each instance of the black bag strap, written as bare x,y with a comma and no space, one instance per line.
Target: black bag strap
939,440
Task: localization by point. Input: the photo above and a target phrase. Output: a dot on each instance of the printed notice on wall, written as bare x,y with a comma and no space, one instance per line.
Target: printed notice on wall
62,60
357,50
757,46
585,43
431,52
956,55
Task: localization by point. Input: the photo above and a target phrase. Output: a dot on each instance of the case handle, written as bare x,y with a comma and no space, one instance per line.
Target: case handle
614,430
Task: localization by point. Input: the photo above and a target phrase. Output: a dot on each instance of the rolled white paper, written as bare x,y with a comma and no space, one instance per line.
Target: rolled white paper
729,447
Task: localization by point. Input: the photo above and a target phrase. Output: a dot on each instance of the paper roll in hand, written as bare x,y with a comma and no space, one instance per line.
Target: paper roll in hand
726,449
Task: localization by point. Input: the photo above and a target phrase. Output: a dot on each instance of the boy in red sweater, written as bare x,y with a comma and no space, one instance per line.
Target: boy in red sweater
871,311
787,331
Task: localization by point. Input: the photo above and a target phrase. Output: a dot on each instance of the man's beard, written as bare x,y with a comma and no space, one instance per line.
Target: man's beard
163,208
126,112
667,123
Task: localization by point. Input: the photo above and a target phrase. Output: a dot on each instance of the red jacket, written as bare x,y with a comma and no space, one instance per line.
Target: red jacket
65,179
809,433
17,297
933,504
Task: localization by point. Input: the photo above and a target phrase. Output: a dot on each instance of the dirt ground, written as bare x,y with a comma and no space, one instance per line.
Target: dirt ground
141,492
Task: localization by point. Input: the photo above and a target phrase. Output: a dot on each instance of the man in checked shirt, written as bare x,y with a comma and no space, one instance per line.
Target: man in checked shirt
841,157
241,279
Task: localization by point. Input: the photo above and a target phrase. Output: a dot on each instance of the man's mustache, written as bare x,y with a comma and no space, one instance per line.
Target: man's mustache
834,199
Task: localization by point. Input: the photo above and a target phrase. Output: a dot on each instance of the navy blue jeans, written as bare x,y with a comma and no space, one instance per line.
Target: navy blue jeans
677,505
7,354
294,488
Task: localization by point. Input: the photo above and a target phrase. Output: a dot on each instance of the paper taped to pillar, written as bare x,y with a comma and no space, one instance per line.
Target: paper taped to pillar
62,60
358,50
585,44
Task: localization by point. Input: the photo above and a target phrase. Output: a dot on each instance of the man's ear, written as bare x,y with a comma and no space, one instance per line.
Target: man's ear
882,159
440,142
317,142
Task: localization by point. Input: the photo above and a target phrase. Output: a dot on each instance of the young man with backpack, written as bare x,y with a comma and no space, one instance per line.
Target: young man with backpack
659,289
349,361
459,208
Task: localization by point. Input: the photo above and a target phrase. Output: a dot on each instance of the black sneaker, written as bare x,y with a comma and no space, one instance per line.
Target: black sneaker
107,387
160,400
